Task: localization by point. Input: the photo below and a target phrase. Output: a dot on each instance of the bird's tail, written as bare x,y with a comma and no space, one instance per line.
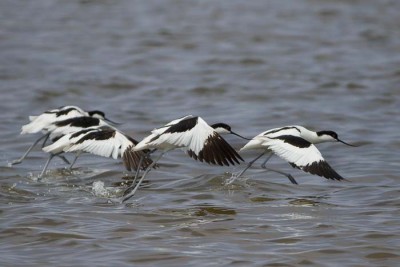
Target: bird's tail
35,126
252,144
59,146
29,128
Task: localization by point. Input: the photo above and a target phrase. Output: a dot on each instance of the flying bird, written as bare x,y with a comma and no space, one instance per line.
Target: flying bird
295,144
103,141
45,122
192,134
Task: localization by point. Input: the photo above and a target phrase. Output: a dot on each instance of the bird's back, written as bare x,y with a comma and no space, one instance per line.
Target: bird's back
44,120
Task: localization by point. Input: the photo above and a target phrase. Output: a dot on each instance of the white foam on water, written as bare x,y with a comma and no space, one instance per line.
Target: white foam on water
99,190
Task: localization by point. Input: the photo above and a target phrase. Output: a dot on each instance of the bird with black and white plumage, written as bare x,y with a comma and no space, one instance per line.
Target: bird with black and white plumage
105,141
58,129
295,144
71,125
46,120
192,134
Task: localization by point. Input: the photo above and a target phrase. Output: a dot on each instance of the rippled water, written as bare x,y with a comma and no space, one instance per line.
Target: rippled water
253,64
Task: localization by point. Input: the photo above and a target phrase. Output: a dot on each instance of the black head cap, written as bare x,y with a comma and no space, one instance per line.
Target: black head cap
331,133
334,136
221,125
96,112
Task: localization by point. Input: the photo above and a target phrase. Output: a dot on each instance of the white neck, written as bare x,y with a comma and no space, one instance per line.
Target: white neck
312,137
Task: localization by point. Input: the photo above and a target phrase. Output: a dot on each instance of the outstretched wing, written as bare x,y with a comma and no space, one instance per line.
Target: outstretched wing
132,159
301,154
204,144
215,151
103,141
195,136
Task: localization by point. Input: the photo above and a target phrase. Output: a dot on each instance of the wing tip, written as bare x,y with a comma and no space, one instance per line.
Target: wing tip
321,168
217,151
131,159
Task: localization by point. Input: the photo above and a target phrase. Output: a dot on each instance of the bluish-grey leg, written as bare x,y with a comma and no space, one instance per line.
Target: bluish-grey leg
129,193
18,161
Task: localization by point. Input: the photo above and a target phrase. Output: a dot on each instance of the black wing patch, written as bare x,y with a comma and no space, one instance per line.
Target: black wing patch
217,151
101,134
132,158
320,168
76,134
294,141
131,139
83,122
282,129
183,126
180,127
64,112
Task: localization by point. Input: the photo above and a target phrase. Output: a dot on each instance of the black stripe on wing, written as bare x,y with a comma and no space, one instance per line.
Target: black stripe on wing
180,127
81,132
65,111
217,151
83,122
103,133
321,168
294,141
183,125
282,129
132,158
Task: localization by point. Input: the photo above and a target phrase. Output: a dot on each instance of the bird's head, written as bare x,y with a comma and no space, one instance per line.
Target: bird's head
330,136
100,115
223,128
97,114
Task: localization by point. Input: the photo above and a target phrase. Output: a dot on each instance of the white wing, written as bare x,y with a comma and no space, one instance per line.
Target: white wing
293,130
56,130
298,156
157,138
59,145
258,142
67,140
301,154
179,137
207,145
196,137
169,124
105,142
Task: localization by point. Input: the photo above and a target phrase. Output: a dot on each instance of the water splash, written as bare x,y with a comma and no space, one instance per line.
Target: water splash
99,190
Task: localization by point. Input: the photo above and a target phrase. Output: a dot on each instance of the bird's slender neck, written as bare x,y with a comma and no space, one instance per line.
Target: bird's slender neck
311,136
